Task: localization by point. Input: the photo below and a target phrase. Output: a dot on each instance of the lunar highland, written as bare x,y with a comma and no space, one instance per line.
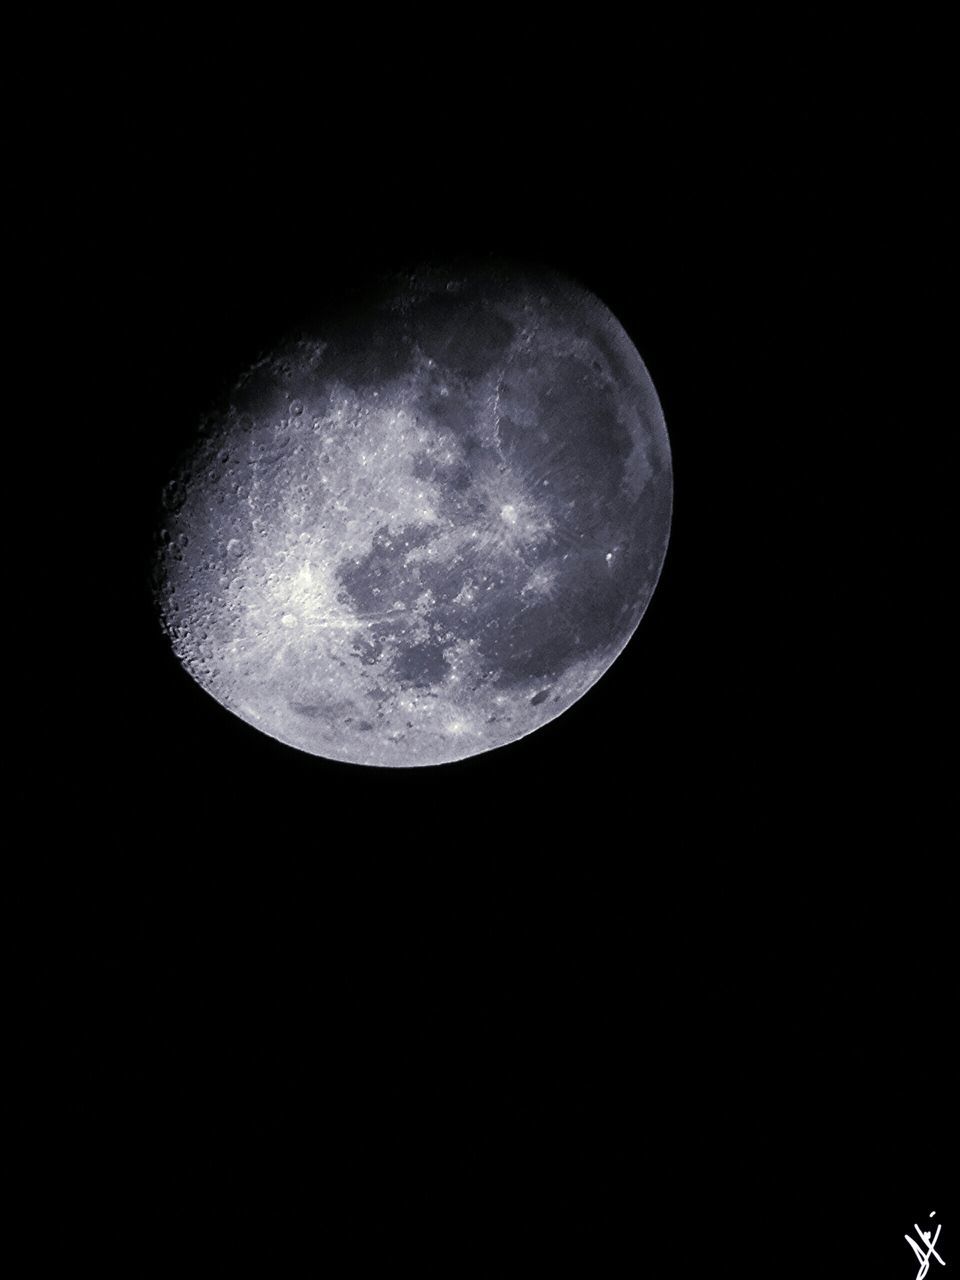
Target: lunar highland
425,528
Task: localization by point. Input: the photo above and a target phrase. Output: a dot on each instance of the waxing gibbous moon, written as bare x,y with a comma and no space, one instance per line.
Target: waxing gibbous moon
424,528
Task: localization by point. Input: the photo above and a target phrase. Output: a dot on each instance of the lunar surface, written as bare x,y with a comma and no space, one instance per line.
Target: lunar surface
424,528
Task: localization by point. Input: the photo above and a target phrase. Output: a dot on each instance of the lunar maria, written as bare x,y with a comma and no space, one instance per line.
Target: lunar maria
424,527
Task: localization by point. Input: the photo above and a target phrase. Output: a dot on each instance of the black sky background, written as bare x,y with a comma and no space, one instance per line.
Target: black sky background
664,982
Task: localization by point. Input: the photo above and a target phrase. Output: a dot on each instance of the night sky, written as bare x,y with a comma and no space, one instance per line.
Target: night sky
664,982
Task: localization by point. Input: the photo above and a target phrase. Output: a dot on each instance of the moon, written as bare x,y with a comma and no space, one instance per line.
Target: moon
424,528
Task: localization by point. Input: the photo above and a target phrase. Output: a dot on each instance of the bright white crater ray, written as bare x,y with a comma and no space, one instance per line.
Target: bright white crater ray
426,528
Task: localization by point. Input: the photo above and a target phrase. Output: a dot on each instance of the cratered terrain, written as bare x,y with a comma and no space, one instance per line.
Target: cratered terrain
424,527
